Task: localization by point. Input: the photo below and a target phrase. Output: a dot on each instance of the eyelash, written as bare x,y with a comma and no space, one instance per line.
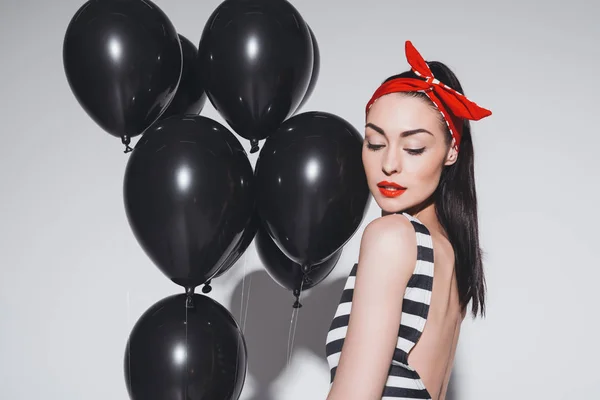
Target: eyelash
374,147
414,152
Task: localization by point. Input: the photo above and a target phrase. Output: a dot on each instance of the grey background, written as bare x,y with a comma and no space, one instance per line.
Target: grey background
69,262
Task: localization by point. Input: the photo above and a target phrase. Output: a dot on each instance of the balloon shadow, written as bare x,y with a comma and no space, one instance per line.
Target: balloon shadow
265,316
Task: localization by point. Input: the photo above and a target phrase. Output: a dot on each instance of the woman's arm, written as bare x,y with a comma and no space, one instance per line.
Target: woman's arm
388,253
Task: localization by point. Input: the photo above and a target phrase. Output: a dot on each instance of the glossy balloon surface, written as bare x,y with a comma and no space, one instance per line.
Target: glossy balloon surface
189,195
176,352
287,273
190,98
312,192
316,69
123,62
256,59
238,251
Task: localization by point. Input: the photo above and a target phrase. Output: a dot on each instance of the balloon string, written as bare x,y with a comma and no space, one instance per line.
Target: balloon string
243,312
293,327
297,317
247,303
245,295
129,329
287,355
186,351
242,317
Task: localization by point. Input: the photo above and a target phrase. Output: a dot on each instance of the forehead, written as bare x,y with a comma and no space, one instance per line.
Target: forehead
398,111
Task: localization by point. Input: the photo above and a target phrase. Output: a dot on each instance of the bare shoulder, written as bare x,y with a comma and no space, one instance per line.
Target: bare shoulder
388,254
386,261
390,242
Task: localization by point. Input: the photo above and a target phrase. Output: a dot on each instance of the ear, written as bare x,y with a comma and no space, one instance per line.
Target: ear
452,155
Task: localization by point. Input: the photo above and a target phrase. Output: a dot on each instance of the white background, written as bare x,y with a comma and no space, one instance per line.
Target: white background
73,279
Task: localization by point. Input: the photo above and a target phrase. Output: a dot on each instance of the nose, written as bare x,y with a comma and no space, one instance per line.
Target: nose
390,164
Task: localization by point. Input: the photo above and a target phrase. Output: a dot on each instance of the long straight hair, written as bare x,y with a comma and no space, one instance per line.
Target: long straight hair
456,203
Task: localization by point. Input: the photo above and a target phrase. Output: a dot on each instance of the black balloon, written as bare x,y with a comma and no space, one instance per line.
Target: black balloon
190,97
312,193
189,195
235,254
287,273
187,348
315,69
241,247
123,62
255,59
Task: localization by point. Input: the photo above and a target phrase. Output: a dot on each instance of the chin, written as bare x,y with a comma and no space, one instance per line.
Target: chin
390,205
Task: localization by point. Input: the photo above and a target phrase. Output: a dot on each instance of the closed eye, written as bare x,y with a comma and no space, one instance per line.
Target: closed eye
415,152
375,147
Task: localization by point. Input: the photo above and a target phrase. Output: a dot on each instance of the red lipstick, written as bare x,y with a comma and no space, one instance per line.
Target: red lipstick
390,189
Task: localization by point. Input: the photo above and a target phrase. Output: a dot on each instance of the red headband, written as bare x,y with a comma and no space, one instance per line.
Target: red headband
447,100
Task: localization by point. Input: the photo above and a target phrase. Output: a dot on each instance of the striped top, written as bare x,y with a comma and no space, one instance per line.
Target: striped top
403,381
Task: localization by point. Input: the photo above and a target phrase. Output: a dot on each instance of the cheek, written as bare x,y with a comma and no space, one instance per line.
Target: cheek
424,171
370,162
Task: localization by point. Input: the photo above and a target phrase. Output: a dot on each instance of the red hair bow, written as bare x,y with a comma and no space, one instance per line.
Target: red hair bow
447,100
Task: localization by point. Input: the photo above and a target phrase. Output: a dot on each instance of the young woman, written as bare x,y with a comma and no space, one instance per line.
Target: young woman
396,328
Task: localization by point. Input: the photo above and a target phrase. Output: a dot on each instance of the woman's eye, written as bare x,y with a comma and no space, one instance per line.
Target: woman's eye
375,147
415,151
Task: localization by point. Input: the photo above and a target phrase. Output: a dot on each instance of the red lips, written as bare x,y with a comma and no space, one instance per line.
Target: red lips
390,189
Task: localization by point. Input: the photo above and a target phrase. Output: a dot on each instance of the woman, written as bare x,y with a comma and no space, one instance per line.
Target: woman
396,328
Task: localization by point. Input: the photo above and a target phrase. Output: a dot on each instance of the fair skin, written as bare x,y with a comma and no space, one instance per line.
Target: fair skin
405,144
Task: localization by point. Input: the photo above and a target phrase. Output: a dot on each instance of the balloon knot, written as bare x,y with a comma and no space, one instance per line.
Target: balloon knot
125,139
189,300
207,288
306,268
297,302
254,146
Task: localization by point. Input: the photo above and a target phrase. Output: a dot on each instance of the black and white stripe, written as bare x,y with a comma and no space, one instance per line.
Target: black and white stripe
403,381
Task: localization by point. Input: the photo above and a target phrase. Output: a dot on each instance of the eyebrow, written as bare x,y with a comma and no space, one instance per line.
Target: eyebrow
402,134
